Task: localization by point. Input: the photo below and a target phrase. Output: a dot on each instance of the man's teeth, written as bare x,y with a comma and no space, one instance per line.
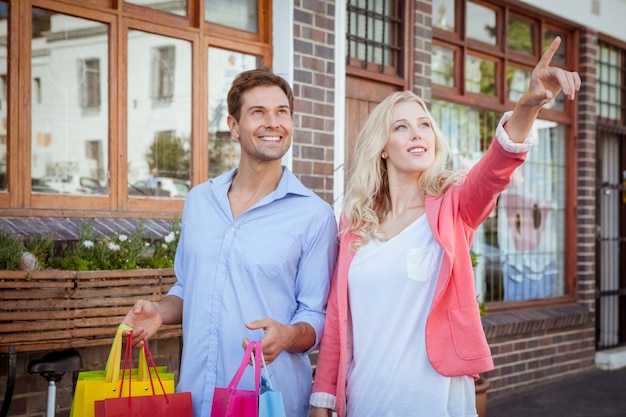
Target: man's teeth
270,138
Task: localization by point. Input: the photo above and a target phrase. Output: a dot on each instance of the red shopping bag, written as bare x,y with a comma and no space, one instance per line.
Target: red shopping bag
155,405
232,402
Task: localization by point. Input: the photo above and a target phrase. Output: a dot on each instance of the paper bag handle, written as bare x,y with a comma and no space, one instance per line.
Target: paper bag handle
242,367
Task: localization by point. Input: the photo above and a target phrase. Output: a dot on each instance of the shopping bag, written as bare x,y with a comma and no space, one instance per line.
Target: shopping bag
98,385
232,402
176,405
151,405
270,400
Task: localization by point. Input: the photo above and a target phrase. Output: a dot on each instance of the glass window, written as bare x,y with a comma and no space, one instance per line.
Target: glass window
480,22
238,14
521,245
610,84
560,55
444,15
374,40
224,66
443,66
159,115
178,7
517,81
520,36
69,151
90,85
4,90
480,75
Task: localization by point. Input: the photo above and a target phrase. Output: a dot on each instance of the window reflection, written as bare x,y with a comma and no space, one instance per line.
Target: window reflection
4,91
178,7
443,66
444,15
480,75
238,14
159,115
520,36
69,112
480,22
224,66
517,82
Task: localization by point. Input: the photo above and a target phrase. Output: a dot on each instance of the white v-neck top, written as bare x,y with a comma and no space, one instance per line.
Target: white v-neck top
390,289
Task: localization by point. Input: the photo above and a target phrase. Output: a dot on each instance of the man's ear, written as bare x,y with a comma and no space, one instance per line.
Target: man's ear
233,125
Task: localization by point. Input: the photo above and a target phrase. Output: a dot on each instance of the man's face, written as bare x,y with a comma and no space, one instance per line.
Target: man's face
265,126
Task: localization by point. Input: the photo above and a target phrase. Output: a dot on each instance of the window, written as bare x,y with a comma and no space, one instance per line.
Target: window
60,124
239,14
114,89
159,126
611,73
171,6
162,69
374,36
89,81
521,246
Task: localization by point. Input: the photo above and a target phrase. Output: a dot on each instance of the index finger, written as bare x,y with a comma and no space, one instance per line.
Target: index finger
549,53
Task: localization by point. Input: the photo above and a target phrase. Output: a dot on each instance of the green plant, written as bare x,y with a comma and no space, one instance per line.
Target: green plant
11,250
93,251
481,304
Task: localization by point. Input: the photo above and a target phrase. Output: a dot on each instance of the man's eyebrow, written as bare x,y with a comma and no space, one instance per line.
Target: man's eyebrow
258,106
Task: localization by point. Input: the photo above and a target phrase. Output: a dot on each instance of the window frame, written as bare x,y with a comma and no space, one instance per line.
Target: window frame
120,17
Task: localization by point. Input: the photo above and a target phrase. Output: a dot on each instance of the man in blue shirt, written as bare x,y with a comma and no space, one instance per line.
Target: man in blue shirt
254,259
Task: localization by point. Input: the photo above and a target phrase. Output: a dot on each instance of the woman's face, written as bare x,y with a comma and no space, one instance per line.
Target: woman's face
410,147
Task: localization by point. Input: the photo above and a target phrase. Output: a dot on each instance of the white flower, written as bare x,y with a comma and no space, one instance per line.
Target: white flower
114,246
169,238
88,244
122,238
146,244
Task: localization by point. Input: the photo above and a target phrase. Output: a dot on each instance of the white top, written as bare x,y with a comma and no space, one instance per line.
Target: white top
390,287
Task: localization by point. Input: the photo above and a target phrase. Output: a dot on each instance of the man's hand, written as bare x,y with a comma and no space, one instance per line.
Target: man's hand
146,317
145,320
298,337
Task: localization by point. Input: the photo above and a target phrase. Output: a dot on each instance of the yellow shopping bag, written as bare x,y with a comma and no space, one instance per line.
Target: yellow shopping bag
99,385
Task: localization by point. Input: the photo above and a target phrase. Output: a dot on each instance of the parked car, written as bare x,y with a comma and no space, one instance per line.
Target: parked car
167,187
74,184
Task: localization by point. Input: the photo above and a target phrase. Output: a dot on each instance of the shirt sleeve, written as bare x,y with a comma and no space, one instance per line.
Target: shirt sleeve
314,272
323,400
506,142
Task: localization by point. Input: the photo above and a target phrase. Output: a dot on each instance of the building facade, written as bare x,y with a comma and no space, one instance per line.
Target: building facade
98,94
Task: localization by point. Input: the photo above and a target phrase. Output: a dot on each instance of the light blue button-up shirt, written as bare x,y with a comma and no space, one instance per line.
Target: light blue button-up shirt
275,260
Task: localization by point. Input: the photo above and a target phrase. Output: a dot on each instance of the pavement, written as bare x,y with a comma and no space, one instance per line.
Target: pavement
594,393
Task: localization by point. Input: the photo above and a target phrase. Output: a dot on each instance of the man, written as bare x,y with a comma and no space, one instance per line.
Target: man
254,260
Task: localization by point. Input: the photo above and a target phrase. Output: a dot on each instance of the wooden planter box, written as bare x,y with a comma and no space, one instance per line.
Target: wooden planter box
53,309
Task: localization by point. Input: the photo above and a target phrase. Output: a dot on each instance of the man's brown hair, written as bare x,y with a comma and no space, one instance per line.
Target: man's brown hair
255,78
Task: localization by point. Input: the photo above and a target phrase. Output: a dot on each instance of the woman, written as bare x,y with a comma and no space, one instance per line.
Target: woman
403,335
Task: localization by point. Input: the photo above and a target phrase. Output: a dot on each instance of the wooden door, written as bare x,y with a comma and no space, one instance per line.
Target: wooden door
362,95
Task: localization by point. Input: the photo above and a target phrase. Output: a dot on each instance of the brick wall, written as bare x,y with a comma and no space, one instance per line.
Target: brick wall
30,392
314,82
538,345
586,172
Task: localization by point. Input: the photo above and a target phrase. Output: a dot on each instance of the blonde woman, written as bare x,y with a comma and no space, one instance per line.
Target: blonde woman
403,335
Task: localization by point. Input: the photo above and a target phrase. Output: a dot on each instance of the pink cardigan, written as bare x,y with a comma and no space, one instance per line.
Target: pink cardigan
455,340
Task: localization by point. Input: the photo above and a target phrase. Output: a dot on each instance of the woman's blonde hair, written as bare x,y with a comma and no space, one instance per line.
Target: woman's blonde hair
367,198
